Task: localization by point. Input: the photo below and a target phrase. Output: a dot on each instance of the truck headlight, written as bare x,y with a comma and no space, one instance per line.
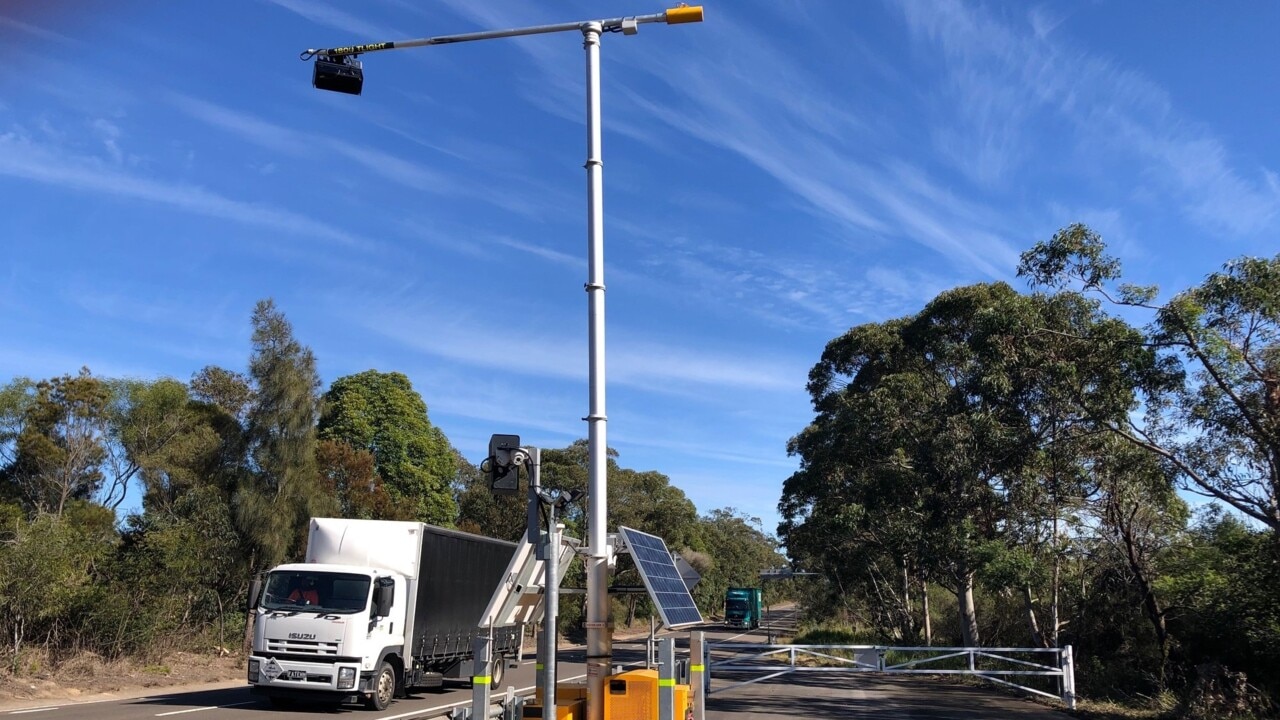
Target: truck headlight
346,678
253,671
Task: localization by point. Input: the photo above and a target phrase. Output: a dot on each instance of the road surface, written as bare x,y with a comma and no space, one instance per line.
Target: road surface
834,697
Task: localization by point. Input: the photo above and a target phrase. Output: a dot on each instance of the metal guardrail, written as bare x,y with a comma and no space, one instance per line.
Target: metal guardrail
997,665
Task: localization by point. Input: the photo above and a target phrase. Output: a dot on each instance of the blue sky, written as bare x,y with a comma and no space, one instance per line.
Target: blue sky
773,176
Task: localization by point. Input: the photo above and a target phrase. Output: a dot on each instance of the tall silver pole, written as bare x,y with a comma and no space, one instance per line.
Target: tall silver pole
599,634
542,548
550,611
534,528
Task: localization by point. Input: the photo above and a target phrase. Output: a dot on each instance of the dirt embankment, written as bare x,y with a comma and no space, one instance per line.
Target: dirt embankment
89,677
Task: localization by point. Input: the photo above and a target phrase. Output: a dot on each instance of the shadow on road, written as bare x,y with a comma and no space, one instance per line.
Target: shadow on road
835,696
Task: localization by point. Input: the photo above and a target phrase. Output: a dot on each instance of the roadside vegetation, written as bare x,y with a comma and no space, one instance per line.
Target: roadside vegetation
1030,469
227,467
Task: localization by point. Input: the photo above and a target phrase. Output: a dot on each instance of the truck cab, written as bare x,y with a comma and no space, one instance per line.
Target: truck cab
329,632
742,608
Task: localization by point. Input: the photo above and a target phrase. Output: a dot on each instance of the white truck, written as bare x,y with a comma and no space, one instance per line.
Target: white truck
377,608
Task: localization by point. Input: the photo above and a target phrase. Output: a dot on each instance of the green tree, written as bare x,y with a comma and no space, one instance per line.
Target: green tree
61,447
348,474
48,570
482,512
932,430
1219,424
15,397
165,591
282,489
231,391
382,414
734,550
220,402
1140,519
1221,599
150,425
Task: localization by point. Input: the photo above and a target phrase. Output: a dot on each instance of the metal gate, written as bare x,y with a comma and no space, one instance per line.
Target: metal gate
1004,666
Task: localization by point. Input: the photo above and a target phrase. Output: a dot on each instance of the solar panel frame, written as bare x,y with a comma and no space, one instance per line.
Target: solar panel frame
661,578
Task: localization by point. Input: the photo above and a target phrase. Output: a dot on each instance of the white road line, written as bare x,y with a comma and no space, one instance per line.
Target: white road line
74,703
209,707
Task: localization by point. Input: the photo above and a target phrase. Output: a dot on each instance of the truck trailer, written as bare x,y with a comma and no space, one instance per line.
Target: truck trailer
377,608
742,607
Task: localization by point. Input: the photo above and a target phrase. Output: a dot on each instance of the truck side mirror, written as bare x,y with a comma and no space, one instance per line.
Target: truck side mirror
254,590
382,596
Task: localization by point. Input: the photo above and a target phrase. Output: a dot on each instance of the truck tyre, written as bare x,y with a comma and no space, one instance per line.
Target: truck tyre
383,688
497,672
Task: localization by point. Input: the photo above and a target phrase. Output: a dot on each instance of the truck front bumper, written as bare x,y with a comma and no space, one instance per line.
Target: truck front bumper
302,679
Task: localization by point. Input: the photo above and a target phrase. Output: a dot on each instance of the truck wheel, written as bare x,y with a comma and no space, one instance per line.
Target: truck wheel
497,672
384,688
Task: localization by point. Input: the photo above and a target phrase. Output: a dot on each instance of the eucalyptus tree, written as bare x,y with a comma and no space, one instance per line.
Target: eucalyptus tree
61,447
1213,400
735,548
935,433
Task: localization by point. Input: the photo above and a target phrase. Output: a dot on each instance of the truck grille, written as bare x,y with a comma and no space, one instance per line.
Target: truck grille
302,647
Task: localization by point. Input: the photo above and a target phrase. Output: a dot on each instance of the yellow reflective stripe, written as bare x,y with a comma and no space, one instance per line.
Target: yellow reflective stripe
537,666
697,668
666,682
481,679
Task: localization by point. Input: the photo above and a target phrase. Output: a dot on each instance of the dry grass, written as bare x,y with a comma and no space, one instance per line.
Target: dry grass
87,675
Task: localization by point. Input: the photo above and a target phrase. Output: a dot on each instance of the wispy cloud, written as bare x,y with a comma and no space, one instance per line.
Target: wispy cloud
109,133
329,16
394,168
520,197
1007,71
293,142
50,165
33,30
820,148
564,259
535,352
256,130
810,288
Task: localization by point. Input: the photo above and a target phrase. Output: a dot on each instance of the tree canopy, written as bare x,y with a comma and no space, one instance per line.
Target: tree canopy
383,415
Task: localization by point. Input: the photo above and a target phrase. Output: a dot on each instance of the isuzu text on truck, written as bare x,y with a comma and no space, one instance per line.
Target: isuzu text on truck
378,607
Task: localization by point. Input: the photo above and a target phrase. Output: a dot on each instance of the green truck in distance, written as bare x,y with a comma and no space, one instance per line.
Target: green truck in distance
742,607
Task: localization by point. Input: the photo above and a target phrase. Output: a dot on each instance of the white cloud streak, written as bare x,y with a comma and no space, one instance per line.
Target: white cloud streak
1006,70
34,30
389,166
532,352
329,16
815,146
45,164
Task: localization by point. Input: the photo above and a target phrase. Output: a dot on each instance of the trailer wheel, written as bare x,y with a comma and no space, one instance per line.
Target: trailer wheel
497,672
384,687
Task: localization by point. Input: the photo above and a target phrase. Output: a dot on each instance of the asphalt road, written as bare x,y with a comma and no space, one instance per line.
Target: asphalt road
844,696
835,697
237,703
809,695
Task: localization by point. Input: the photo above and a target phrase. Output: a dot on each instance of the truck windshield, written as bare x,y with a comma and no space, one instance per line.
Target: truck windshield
294,590
735,606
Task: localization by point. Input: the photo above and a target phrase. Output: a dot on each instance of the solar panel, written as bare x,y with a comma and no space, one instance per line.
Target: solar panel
661,578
